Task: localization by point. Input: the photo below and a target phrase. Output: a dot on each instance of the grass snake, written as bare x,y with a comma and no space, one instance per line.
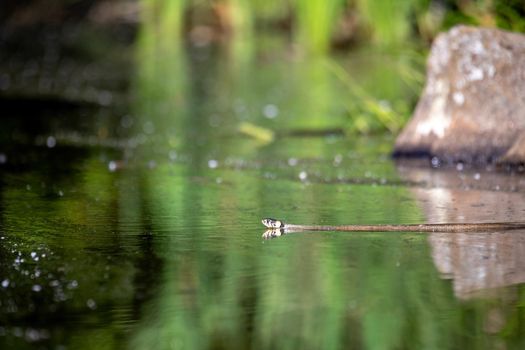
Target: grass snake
278,227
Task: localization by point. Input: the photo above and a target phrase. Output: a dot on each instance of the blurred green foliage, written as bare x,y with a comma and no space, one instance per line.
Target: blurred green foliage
162,234
315,23
402,30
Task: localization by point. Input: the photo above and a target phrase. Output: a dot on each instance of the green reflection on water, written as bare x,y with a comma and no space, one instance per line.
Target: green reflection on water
165,251
222,287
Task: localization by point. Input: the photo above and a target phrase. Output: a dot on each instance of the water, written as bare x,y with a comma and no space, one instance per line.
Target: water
142,229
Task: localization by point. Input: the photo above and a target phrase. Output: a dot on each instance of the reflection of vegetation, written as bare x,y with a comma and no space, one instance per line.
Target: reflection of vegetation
222,289
63,258
176,223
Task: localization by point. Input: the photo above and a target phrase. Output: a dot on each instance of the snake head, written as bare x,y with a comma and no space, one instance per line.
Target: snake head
272,223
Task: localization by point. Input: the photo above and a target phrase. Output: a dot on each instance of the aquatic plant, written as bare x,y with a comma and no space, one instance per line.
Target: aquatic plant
374,107
387,19
315,21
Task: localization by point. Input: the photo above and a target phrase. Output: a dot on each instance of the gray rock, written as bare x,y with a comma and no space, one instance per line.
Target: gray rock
473,105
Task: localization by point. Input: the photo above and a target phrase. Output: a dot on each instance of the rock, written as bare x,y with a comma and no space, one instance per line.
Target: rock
516,154
473,105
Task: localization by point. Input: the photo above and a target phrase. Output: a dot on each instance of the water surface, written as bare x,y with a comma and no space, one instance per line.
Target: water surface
142,229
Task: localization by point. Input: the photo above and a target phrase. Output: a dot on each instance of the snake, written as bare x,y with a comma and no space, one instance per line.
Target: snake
278,227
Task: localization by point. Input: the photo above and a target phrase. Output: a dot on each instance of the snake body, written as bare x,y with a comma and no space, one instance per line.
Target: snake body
275,224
